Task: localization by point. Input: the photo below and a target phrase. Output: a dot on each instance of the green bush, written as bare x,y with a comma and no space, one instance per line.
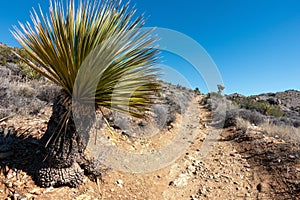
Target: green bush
28,71
261,106
7,55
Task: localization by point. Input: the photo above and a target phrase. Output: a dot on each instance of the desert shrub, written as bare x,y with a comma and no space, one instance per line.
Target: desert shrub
212,100
9,59
231,118
3,61
7,55
4,72
242,124
28,71
176,97
285,121
274,110
253,117
271,101
4,54
296,123
224,112
15,70
163,115
232,114
120,121
215,95
22,90
4,87
19,97
47,92
263,107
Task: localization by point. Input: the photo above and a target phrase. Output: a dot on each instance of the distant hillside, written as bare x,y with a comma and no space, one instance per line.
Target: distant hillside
280,107
288,101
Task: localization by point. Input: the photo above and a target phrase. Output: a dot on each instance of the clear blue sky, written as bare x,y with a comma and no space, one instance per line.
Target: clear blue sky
255,44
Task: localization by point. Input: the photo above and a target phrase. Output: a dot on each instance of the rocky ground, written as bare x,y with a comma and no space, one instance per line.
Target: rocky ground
238,164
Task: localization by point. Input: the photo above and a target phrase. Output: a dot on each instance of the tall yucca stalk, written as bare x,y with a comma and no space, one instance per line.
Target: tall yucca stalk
100,57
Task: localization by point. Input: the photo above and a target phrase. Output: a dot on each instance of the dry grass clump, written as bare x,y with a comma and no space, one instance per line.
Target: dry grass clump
285,132
242,124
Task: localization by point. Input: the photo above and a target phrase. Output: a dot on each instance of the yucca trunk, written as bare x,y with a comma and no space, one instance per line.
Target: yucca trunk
64,142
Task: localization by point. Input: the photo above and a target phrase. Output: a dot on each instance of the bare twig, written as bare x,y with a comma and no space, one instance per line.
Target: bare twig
98,187
5,118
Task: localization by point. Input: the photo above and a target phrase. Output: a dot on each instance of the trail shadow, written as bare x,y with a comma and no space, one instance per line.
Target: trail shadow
267,155
17,152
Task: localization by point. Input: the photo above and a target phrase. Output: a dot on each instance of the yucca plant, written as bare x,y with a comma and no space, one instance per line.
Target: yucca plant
101,57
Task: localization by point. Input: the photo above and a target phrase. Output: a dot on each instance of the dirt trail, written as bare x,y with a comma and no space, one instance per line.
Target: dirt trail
227,172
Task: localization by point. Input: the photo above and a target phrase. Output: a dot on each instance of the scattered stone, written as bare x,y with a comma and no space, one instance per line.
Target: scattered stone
292,156
182,180
36,191
262,187
120,183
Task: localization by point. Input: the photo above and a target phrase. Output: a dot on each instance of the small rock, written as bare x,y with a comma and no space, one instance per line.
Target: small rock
202,190
292,156
194,197
120,183
11,174
236,183
18,196
17,183
262,187
182,180
9,185
191,169
36,191
49,189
